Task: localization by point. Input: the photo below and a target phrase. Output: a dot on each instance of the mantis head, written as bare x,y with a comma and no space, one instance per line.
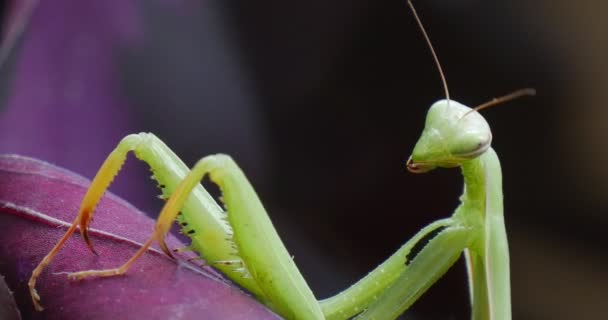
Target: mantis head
453,133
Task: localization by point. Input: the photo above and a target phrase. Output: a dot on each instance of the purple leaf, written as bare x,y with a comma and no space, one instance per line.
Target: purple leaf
37,202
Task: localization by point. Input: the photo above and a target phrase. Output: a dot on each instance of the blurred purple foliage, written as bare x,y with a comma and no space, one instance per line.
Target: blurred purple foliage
64,104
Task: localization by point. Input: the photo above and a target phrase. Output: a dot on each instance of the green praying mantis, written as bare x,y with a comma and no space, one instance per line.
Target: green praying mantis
242,243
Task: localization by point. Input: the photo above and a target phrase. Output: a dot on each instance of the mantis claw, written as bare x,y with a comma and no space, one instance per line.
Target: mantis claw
84,231
83,220
35,296
164,247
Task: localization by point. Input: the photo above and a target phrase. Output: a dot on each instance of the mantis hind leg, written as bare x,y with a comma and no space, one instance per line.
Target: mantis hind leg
146,147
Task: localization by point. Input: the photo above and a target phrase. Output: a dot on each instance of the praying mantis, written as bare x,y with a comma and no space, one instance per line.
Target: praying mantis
242,243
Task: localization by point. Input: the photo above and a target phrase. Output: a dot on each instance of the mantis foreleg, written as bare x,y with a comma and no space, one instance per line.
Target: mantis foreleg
478,228
357,297
425,269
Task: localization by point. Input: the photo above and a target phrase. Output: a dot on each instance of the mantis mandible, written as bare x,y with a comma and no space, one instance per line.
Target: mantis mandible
242,243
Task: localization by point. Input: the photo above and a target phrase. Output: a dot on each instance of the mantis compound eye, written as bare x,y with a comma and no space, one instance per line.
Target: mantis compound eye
472,146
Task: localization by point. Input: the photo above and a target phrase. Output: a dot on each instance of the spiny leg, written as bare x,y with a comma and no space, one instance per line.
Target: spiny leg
263,256
163,224
146,147
100,183
259,246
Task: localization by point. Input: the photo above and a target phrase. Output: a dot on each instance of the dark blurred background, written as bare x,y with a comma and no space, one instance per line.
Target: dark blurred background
321,103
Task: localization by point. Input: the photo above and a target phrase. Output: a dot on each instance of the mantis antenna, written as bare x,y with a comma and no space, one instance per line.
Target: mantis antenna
428,41
511,96
508,97
495,101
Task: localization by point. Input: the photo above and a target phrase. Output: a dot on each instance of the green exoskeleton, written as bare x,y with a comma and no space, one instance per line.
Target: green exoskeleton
243,244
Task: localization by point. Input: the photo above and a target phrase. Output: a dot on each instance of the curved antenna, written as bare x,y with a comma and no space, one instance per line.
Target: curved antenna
508,97
428,41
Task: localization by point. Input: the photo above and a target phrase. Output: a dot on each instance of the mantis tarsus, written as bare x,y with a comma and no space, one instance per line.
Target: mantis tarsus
242,242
